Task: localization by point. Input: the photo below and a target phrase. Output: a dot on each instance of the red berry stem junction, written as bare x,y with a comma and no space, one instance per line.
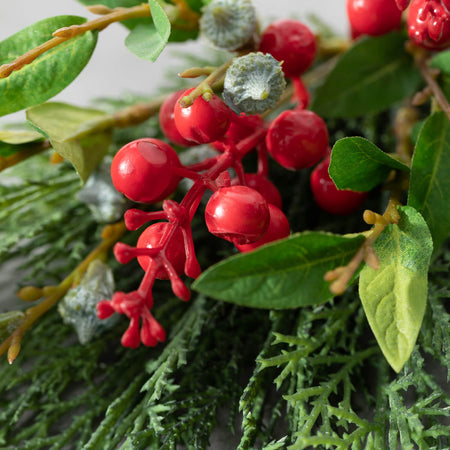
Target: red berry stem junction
245,210
165,250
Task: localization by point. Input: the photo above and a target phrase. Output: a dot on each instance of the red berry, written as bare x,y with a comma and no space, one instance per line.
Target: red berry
402,4
279,228
328,196
429,23
241,127
373,17
204,121
142,170
290,42
263,185
167,120
151,238
297,139
238,214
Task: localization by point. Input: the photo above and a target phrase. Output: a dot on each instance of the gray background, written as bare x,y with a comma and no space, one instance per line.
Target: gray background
114,70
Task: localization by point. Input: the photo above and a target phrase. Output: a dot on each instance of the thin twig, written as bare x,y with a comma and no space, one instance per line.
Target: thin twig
429,75
15,158
64,34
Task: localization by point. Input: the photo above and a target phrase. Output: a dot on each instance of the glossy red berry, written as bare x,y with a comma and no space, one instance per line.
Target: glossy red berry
373,17
402,4
204,121
167,120
238,214
240,128
297,139
429,23
152,237
143,170
290,42
263,185
278,228
328,196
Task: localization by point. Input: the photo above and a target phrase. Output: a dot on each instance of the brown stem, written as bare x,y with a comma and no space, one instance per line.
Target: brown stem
66,33
137,113
9,161
429,75
110,235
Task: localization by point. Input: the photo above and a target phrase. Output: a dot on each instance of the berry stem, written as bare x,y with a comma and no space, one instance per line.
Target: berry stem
263,159
135,218
203,165
205,87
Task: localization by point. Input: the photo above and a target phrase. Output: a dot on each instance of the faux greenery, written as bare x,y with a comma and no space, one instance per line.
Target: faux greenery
335,337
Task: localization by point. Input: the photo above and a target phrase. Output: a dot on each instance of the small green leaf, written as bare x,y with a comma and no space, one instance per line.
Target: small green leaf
359,165
80,135
371,76
17,137
441,61
148,41
145,42
429,190
394,297
51,72
285,274
160,19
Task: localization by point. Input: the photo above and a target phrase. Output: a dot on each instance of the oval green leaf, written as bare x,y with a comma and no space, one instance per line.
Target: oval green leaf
51,72
429,190
394,297
81,135
282,275
148,41
359,165
371,76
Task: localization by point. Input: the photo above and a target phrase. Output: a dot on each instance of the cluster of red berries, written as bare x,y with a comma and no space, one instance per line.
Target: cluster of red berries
245,210
428,21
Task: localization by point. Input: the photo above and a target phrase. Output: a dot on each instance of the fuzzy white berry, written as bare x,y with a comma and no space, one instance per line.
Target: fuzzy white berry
228,24
253,83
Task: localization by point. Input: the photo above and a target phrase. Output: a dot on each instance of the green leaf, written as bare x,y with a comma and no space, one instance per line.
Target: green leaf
368,78
394,297
429,190
50,73
17,139
148,41
20,136
80,135
160,19
359,165
285,274
441,61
